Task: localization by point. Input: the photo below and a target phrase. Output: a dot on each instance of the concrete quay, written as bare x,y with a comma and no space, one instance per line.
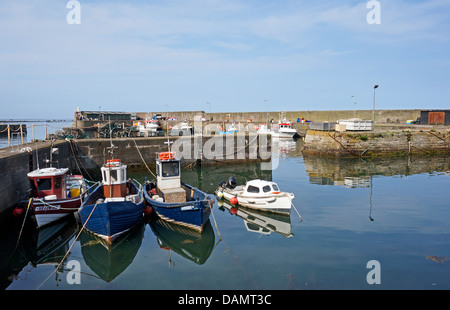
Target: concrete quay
381,142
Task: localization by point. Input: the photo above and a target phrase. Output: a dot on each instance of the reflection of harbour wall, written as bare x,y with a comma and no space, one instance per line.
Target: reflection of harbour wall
340,171
209,178
379,143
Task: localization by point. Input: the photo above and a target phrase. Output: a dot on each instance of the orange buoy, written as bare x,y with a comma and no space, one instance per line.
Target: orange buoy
234,200
148,210
18,212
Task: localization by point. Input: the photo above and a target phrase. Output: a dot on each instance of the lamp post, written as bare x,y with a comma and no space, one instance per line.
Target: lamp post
373,112
354,113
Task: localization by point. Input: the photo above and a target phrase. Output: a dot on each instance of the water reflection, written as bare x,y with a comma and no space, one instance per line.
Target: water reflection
285,148
207,178
190,244
355,172
108,261
259,221
36,247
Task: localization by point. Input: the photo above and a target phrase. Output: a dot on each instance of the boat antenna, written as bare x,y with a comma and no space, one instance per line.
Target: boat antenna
112,147
51,153
168,143
37,157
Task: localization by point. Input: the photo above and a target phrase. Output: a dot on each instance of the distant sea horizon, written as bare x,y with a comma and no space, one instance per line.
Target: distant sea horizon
37,120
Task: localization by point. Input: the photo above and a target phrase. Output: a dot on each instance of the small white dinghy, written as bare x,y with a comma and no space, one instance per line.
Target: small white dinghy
256,194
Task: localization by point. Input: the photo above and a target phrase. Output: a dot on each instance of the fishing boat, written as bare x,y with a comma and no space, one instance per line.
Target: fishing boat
54,195
256,194
115,206
284,130
148,127
232,129
173,200
263,129
182,129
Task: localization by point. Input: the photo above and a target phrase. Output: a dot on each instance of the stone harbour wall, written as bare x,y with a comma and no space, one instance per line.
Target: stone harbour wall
398,143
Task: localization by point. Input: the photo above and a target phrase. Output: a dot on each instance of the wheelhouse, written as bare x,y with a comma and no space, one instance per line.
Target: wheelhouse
49,183
168,171
261,187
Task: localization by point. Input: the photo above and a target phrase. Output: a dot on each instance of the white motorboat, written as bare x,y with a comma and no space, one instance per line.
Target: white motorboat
263,129
284,130
148,127
182,129
256,194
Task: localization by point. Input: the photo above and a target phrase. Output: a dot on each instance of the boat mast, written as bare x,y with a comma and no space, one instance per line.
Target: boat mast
111,155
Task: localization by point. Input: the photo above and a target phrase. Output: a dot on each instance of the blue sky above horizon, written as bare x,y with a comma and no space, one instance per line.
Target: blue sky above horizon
235,54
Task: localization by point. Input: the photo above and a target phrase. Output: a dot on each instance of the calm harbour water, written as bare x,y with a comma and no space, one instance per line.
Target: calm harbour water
394,211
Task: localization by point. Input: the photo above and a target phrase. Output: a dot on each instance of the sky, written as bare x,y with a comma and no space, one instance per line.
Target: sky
222,56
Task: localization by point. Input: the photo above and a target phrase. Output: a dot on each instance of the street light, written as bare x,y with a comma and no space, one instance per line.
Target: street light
373,112
354,113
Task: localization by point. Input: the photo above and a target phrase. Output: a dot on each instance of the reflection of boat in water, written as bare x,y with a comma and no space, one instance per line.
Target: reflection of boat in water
109,260
260,221
190,244
285,147
49,244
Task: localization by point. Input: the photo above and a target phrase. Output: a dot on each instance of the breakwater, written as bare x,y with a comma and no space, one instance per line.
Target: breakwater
86,156
394,116
378,143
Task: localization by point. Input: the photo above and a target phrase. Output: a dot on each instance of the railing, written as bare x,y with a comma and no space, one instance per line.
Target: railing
17,133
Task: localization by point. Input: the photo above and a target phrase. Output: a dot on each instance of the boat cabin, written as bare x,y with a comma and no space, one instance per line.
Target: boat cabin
167,170
114,178
261,188
48,183
285,125
168,177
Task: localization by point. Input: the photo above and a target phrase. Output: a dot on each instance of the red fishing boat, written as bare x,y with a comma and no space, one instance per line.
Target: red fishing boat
55,194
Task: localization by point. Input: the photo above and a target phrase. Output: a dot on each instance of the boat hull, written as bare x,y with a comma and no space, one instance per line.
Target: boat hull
109,220
278,203
49,211
192,214
284,134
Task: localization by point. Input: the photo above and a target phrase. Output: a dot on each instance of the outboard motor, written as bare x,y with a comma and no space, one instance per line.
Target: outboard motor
231,183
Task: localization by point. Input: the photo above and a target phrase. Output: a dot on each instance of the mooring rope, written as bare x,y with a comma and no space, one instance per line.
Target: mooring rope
143,159
70,248
23,223
215,223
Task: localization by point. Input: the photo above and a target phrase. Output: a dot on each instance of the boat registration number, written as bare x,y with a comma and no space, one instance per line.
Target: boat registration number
187,208
46,208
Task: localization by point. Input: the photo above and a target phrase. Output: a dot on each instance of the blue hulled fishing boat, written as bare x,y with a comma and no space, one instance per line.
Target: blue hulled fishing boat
173,200
115,206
